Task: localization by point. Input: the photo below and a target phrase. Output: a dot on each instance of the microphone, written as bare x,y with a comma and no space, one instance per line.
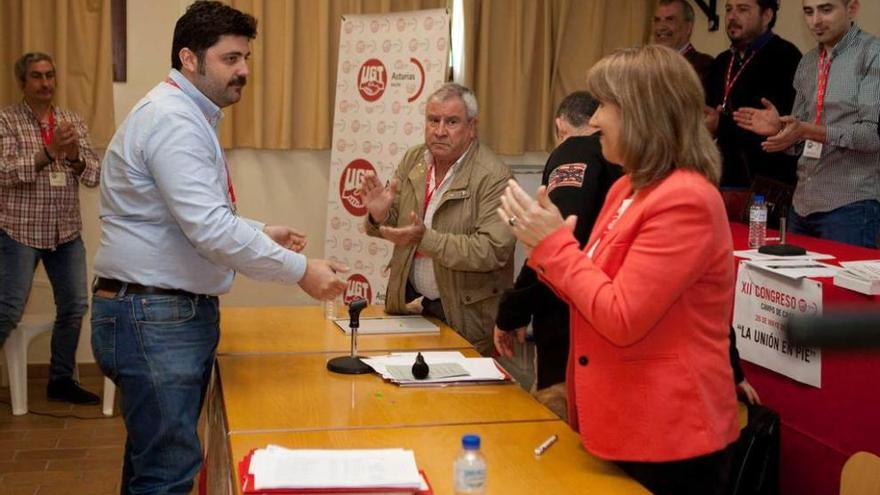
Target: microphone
351,364
420,368
847,328
354,312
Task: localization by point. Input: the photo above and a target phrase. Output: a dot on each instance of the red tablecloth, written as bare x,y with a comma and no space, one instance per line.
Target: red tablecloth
822,427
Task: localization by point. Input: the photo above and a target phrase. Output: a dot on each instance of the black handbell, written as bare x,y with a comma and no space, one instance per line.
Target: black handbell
420,368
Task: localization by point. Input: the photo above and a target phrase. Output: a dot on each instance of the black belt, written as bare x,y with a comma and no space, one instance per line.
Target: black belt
122,288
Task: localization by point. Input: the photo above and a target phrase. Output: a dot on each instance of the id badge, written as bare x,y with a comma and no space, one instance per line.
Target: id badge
812,149
57,179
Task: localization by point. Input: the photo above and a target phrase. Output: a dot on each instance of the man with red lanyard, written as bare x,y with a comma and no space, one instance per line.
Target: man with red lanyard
45,156
832,127
452,256
172,241
759,64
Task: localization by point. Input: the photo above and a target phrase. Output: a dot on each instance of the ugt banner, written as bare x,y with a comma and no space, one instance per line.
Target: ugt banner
388,65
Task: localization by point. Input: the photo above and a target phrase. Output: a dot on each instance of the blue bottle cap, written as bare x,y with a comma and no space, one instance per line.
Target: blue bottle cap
759,198
470,442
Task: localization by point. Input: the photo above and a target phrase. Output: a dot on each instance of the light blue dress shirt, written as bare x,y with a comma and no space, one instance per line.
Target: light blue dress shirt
166,216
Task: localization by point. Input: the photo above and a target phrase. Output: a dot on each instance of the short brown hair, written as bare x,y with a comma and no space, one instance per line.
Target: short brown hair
661,107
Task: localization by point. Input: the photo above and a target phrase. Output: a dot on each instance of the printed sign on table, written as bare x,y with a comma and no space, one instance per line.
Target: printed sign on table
763,303
388,66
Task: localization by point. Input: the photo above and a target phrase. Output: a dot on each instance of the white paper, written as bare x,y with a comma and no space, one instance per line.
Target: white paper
762,305
795,269
390,324
753,254
278,467
868,270
479,369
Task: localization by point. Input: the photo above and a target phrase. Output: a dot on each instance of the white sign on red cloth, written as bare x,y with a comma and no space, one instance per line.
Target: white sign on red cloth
762,306
388,66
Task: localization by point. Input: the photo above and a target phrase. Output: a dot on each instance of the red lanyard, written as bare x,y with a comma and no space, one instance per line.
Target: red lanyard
231,189
822,84
730,79
48,130
431,187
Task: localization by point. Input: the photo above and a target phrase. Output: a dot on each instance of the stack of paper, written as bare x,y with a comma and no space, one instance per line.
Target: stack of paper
795,268
444,368
276,469
860,276
390,324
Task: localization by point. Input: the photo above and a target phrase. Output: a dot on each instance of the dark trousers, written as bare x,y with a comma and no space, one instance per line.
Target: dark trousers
704,475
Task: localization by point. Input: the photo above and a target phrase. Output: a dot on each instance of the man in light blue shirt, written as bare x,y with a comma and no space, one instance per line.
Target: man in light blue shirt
171,242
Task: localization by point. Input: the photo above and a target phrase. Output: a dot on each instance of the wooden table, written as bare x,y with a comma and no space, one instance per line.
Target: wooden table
512,466
303,329
297,393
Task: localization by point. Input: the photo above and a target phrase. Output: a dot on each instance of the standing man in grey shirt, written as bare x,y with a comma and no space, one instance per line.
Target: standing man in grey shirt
171,242
833,126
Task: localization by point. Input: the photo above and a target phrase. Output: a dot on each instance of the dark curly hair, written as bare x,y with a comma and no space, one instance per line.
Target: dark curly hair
203,23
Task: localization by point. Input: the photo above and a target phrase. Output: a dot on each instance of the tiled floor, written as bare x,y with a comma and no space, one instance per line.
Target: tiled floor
42,455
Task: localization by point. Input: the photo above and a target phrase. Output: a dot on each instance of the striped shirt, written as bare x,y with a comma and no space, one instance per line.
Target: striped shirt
849,168
32,211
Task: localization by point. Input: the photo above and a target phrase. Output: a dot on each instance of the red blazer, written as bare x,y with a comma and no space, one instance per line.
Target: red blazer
649,376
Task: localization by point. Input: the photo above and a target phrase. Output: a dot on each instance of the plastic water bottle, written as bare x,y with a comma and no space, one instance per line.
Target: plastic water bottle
331,308
470,468
757,222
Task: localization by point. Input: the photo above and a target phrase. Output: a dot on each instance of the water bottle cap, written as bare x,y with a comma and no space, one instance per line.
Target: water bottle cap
759,198
470,442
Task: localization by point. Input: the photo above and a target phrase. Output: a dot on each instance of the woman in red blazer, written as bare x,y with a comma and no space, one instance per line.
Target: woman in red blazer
649,376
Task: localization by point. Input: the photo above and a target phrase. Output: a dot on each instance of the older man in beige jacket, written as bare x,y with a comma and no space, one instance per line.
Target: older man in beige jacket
453,257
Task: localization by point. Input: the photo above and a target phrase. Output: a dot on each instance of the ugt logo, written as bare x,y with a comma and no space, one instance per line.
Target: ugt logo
349,186
358,288
372,80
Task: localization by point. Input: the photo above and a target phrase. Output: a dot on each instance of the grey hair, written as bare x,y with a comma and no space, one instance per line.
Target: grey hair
454,90
22,64
685,8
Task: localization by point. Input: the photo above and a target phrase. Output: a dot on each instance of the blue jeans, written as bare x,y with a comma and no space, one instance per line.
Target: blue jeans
66,268
856,223
159,351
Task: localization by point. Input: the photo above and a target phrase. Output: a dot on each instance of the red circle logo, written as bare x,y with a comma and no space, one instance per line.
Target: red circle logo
350,183
372,79
358,288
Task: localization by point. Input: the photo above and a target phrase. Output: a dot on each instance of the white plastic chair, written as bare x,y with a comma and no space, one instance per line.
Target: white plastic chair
16,351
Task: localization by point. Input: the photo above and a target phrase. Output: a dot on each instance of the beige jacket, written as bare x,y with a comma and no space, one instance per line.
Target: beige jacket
471,247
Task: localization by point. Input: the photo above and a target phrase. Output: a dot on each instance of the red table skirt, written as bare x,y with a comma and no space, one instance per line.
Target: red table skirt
823,427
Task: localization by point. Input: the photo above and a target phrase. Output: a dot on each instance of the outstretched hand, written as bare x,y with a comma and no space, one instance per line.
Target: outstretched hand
762,121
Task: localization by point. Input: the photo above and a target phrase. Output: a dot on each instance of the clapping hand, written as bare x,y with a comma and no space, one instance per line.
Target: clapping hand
531,219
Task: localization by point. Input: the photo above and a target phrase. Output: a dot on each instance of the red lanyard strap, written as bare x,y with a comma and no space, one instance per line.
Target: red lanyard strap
48,130
229,186
824,69
731,78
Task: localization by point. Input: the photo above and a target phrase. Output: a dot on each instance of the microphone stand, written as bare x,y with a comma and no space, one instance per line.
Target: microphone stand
782,249
352,364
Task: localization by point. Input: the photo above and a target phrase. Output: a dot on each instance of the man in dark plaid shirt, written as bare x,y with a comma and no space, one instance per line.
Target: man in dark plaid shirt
44,155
